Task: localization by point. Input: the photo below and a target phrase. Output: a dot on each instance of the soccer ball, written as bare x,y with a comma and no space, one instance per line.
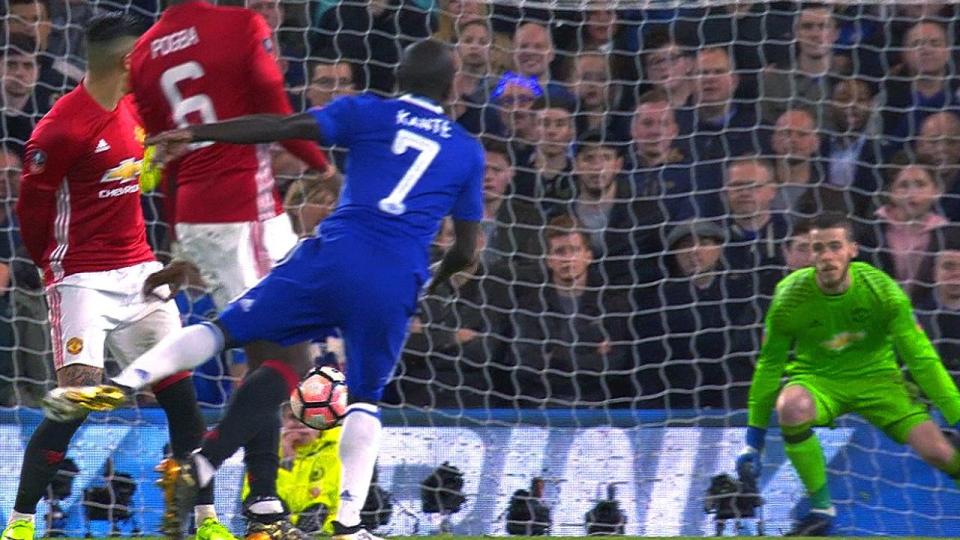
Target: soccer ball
320,400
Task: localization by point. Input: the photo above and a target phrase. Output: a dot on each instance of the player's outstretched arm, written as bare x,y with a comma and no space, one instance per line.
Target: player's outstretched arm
461,255
252,129
922,360
764,389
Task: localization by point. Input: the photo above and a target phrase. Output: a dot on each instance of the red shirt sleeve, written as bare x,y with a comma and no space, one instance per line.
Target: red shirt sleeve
47,161
266,91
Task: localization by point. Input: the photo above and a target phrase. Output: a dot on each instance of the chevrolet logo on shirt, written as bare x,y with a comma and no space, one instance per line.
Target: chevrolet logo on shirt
127,171
843,340
125,175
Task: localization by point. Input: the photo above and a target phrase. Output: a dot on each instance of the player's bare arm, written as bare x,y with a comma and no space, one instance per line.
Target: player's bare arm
177,274
251,129
461,255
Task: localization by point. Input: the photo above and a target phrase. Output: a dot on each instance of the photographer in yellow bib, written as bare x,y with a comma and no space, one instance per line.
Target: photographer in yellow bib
309,474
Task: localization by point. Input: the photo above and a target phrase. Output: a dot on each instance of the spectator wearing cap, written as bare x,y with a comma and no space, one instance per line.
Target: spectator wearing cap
625,230
543,174
695,343
23,102
662,167
568,347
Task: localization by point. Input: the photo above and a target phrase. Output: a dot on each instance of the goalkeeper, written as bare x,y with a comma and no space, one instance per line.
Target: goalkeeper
846,323
308,479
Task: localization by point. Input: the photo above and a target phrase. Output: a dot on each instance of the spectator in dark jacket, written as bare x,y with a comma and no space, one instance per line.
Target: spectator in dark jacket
569,344
754,232
372,35
695,333
939,309
458,340
625,228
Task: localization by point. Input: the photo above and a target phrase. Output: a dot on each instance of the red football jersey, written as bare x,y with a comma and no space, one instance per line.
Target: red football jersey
79,206
199,64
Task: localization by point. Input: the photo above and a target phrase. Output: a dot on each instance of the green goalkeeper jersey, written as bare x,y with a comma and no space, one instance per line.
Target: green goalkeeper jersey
854,336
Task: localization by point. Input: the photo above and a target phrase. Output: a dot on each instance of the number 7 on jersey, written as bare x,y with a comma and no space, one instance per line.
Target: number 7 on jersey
428,149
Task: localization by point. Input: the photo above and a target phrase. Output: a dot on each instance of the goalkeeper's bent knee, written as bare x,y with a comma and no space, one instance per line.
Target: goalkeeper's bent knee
797,434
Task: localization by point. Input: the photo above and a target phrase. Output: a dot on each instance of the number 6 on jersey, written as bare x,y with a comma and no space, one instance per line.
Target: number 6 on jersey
405,140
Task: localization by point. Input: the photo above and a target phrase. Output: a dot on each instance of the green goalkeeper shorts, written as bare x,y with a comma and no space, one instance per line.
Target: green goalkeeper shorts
885,401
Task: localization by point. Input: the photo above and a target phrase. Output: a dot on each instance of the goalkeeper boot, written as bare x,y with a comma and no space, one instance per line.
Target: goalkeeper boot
73,402
178,481
272,526
357,532
816,523
211,529
19,529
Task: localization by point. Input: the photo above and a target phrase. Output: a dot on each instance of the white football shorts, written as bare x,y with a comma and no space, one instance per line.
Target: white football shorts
232,257
92,312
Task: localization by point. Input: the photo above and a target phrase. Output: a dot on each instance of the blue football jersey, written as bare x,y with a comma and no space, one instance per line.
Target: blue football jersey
408,166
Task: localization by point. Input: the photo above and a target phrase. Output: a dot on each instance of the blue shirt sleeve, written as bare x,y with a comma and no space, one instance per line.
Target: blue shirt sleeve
469,204
336,120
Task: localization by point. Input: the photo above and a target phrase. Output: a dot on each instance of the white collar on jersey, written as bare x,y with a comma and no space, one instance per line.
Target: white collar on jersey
421,102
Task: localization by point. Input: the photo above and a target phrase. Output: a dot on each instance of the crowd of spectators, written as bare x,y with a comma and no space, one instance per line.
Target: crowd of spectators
649,173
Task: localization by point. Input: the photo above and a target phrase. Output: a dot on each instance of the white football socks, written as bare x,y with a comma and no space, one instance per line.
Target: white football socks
202,512
266,507
204,469
182,350
359,447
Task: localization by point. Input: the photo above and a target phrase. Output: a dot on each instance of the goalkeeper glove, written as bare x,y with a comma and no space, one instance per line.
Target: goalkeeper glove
748,462
151,171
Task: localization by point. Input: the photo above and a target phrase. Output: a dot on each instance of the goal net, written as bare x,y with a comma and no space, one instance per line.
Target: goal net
650,171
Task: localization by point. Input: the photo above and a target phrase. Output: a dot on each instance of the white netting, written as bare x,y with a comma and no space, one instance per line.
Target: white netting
645,106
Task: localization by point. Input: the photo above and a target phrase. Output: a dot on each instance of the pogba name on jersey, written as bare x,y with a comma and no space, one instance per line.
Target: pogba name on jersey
437,126
176,41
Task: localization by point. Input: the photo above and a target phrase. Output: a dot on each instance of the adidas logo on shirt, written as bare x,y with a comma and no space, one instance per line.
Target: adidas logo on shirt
102,146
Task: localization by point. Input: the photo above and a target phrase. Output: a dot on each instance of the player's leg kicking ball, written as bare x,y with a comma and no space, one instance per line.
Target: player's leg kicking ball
342,279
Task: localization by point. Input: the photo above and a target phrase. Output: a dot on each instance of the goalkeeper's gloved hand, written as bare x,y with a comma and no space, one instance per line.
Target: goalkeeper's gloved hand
748,462
151,170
